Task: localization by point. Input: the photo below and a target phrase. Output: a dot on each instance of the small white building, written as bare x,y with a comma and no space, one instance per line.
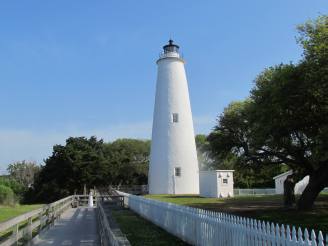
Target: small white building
280,179
216,183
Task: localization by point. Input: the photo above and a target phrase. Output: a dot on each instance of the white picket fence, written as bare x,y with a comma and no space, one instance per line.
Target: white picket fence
251,192
202,227
261,191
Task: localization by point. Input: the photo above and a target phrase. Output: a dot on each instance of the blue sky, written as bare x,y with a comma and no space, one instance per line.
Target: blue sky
82,68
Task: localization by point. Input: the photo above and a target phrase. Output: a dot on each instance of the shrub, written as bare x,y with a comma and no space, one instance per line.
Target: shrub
16,187
6,195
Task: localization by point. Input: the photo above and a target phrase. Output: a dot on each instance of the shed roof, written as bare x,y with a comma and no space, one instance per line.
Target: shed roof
283,174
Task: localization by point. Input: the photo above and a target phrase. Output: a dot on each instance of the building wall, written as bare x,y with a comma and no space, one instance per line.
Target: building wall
173,144
211,183
208,184
279,182
299,187
225,189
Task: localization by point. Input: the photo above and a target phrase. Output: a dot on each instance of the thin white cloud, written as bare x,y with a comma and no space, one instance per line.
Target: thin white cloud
22,144
17,145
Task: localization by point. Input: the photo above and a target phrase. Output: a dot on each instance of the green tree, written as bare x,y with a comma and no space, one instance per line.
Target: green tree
285,120
231,147
129,161
6,195
299,94
81,161
24,172
18,188
91,162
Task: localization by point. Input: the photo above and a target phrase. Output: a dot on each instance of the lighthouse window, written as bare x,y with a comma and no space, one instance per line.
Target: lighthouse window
177,171
175,117
225,181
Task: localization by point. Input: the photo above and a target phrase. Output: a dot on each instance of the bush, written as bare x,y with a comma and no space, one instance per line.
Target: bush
6,195
18,189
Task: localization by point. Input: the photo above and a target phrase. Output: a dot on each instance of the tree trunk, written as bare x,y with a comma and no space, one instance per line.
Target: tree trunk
289,196
317,182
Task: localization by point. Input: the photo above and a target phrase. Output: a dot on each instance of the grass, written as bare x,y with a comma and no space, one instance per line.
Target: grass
268,208
197,201
141,232
8,212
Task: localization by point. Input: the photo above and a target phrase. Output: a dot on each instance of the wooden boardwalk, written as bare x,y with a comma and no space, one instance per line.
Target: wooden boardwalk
77,226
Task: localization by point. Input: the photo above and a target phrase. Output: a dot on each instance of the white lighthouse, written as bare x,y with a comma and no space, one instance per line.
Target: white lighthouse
173,159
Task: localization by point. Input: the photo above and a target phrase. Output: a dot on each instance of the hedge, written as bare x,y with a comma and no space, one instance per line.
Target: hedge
6,195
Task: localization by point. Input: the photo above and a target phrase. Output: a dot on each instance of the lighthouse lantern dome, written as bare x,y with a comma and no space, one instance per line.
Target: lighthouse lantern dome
171,47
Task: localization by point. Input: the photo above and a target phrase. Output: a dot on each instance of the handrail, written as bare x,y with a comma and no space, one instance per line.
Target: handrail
11,222
172,54
22,226
109,235
38,218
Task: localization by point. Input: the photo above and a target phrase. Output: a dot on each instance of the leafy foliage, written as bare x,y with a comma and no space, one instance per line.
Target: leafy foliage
90,162
18,189
222,155
24,172
129,159
6,195
285,120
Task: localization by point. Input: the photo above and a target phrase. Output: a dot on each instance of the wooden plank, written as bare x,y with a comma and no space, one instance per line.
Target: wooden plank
20,218
11,240
48,211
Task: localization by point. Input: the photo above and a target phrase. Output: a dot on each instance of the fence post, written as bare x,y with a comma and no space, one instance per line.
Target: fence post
47,213
29,228
41,222
52,215
15,233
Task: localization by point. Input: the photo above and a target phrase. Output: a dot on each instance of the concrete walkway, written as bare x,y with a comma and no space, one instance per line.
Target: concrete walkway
77,226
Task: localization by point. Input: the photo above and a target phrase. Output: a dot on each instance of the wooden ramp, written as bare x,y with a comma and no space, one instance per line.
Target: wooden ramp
77,226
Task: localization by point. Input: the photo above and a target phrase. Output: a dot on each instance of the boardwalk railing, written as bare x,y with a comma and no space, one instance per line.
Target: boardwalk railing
202,227
109,234
23,226
131,189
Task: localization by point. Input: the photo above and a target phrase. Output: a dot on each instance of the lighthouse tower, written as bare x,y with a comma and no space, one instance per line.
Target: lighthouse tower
173,159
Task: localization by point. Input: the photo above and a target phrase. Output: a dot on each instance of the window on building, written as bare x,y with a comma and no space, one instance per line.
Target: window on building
224,181
177,171
175,117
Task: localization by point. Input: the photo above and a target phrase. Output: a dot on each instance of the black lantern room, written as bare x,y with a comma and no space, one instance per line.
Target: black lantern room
171,47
